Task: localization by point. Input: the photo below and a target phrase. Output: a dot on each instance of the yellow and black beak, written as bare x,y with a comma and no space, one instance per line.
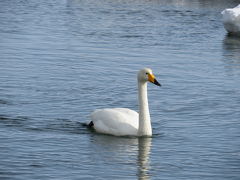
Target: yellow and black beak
152,79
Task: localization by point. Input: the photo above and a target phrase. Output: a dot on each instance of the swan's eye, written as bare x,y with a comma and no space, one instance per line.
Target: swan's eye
146,73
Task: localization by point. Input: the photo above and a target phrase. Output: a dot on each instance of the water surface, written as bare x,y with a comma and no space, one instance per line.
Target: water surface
61,59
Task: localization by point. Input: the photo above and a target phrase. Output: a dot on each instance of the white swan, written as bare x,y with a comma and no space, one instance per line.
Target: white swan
123,121
231,20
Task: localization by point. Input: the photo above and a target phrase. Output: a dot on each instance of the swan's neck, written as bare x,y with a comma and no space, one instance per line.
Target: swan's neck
145,128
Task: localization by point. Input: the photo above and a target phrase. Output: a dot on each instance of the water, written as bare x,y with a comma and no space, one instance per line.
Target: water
60,60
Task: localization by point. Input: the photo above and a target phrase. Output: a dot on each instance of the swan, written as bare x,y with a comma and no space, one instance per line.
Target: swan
123,121
231,20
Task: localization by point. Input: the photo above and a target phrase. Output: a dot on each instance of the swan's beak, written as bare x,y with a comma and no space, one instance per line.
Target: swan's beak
152,79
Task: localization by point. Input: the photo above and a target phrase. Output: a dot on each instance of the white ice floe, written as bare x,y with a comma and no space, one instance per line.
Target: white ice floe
231,20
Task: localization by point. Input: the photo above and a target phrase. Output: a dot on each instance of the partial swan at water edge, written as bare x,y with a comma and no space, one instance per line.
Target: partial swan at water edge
123,121
231,20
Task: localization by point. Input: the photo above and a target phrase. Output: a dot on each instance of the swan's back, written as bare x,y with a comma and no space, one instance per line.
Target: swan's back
115,121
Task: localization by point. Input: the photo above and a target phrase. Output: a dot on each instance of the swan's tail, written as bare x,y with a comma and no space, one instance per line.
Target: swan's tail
90,124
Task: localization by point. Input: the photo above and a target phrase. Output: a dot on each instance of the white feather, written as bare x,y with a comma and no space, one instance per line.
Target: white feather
231,19
123,121
115,121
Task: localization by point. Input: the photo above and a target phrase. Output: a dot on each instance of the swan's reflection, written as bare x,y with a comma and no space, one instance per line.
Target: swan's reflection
122,152
231,42
231,53
144,148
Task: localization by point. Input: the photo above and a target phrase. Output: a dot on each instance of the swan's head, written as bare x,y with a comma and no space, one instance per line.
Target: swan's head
145,75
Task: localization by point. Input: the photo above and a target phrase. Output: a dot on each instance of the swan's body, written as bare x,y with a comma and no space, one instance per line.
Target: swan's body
231,20
123,121
116,121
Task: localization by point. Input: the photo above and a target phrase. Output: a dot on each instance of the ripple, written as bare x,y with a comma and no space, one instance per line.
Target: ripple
19,121
5,102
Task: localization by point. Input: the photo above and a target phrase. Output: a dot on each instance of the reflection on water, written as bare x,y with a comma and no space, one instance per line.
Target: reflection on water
231,53
133,152
144,149
119,145
232,43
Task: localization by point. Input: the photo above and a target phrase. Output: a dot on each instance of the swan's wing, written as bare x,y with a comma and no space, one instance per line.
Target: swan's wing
116,121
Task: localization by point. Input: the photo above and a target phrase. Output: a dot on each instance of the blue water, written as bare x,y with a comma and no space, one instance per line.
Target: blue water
61,59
